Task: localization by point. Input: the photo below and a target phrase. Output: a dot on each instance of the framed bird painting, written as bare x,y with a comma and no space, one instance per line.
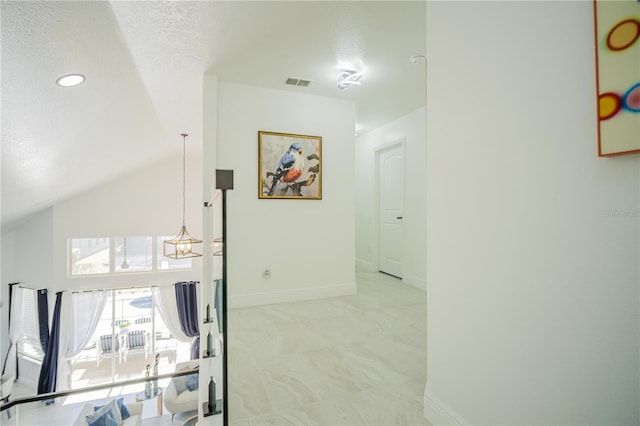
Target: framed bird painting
289,166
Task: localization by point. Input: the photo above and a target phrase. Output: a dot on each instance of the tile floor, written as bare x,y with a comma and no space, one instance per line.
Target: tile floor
355,360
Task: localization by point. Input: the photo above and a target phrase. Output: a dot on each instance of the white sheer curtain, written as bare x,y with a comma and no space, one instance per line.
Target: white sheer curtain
79,318
15,330
15,327
165,300
27,331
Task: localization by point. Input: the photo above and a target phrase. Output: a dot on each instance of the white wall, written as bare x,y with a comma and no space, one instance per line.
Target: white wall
7,276
410,129
309,244
145,203
533,313
32,259
8,261
27,258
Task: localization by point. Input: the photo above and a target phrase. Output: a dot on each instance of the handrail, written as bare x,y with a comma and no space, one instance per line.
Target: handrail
52,395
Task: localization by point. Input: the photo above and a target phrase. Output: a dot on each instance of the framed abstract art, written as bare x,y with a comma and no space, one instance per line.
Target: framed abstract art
617,52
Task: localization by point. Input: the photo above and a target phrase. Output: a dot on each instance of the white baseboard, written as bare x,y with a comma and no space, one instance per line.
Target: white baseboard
297,295
415,281
365,265
437,413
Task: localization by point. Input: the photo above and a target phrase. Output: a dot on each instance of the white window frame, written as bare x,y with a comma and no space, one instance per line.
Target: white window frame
115,299
117,260
155,244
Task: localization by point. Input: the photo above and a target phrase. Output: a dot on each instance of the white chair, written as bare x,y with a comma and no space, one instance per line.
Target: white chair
104,348
136,342
186,400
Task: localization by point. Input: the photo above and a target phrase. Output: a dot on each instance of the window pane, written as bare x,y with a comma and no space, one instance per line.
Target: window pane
133,320
133,254
167,262
130,335
89,256
94,364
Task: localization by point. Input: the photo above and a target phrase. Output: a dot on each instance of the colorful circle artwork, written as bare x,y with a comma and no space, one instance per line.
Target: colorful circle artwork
623,35
610,104
631,99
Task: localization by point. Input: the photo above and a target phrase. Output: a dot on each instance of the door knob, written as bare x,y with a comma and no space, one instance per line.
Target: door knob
399,217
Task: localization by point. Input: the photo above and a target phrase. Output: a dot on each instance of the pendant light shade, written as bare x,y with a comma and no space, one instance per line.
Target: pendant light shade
181,246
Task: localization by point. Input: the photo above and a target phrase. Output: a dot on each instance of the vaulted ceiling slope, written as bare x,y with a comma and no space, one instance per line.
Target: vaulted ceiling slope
144,62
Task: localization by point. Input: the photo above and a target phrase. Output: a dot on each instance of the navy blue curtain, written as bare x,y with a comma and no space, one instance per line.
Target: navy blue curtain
187,298
49,370
43,318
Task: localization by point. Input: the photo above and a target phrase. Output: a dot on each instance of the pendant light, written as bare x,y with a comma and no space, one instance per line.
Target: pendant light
181,246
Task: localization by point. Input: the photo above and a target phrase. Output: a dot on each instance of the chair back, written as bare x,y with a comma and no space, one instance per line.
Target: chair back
136,339
106,343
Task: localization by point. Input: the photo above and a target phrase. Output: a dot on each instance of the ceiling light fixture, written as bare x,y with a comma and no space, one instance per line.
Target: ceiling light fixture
70,80
181,246
346,79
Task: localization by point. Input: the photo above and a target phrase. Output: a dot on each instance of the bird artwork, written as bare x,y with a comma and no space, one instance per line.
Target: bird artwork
289,169
289,166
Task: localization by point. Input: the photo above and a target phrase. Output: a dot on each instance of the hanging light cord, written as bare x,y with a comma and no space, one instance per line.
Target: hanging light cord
184,166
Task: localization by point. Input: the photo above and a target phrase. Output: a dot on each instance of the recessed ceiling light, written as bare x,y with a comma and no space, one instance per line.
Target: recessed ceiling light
346,79
70,80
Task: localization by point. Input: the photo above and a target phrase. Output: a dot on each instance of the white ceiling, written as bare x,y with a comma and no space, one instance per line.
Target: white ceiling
145,61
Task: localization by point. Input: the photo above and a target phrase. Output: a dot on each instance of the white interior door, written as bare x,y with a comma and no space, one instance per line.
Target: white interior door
391,207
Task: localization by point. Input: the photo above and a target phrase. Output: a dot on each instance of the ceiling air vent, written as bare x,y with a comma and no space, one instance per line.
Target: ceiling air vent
298,82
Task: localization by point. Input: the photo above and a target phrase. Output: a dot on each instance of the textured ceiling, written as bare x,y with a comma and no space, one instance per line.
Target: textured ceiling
145,61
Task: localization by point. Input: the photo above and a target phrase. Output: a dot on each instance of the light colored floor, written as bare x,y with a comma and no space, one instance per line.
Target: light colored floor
355,360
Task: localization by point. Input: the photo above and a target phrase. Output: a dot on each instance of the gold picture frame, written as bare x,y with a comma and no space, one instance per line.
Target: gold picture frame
289,166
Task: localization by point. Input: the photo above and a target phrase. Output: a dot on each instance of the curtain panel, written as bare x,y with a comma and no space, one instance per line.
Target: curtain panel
187,302
15,296
48,372
164,299
78,322
43,318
